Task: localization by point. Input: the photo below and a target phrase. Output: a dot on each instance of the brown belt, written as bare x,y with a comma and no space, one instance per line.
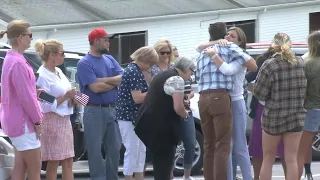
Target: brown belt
208,91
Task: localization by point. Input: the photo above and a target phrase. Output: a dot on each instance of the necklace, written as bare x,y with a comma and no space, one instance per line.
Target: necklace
55,73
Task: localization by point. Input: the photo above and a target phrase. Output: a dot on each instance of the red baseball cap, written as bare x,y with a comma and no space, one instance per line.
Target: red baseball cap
98,33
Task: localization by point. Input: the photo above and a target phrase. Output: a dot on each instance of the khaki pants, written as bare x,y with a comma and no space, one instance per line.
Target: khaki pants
216,123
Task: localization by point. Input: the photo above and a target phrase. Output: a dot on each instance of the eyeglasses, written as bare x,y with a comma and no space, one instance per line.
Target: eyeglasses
163,53
30,35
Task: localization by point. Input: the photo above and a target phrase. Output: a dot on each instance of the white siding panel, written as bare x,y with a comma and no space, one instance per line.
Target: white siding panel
293,21
185,33
36,36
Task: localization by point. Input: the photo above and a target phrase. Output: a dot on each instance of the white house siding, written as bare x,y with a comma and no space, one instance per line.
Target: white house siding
186,33
293,21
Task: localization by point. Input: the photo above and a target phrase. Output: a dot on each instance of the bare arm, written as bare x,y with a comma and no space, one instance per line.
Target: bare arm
99,87
191,95
174,86
217,60
178,104
202,46
147,76
242,58
251,65
138,96
111,80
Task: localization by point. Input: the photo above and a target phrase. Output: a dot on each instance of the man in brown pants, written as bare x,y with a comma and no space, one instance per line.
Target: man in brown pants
214,103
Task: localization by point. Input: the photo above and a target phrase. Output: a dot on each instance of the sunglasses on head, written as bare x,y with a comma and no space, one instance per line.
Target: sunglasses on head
163,53
30,35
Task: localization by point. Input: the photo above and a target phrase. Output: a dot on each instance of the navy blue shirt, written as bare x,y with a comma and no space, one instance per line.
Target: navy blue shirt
90,68
132,80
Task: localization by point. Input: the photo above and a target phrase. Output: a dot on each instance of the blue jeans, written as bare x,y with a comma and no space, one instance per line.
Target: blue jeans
100,127
239,154
188,137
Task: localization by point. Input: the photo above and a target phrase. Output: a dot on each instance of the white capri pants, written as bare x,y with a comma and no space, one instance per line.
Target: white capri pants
135,155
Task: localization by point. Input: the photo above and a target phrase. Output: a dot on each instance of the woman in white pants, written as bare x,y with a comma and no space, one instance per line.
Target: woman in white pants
132,91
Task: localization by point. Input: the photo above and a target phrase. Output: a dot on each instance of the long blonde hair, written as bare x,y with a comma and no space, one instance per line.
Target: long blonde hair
45,47
163,43
281,44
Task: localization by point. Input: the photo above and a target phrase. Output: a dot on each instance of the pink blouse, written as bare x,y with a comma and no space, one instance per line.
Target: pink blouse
19,106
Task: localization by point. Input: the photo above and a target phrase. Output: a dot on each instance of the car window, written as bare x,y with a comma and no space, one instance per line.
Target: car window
70,62
34,60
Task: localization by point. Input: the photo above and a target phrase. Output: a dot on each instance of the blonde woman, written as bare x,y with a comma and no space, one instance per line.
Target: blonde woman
57,139
132,91
166,58
312,100
164,49
281,84
20,112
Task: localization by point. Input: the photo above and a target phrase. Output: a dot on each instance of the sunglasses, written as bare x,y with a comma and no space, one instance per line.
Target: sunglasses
30,35
163,53
61,53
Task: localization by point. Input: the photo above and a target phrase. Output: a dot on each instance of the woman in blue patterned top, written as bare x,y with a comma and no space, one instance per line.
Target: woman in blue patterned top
132,91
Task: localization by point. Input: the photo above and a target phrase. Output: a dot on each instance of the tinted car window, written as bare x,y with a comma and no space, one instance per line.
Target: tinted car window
32,58
70,62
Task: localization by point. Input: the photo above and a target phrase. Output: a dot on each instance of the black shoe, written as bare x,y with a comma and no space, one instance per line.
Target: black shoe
308,176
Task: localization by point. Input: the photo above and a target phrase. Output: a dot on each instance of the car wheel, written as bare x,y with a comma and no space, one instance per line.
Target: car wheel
316,147
197,160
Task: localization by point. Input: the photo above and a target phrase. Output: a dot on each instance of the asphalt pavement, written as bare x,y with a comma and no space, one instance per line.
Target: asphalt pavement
81,172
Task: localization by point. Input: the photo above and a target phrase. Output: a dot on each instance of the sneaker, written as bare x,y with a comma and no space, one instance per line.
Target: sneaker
189,178
308,176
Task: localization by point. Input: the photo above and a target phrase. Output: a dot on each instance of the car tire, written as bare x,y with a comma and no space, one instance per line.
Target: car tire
316,147
198,165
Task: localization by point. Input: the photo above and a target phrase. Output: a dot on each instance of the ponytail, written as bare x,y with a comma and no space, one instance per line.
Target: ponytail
2,33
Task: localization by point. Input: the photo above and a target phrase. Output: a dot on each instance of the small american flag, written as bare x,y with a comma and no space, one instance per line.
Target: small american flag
81,98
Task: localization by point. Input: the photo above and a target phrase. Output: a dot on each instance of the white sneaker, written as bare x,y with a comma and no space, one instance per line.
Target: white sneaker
189,178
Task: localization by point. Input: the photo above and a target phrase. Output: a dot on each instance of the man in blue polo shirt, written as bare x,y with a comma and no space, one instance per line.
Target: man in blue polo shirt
99,76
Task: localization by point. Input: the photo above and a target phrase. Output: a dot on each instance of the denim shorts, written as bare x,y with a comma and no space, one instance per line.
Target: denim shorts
312,120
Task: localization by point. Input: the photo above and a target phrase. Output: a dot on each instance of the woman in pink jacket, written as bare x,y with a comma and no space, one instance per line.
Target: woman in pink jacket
20,112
